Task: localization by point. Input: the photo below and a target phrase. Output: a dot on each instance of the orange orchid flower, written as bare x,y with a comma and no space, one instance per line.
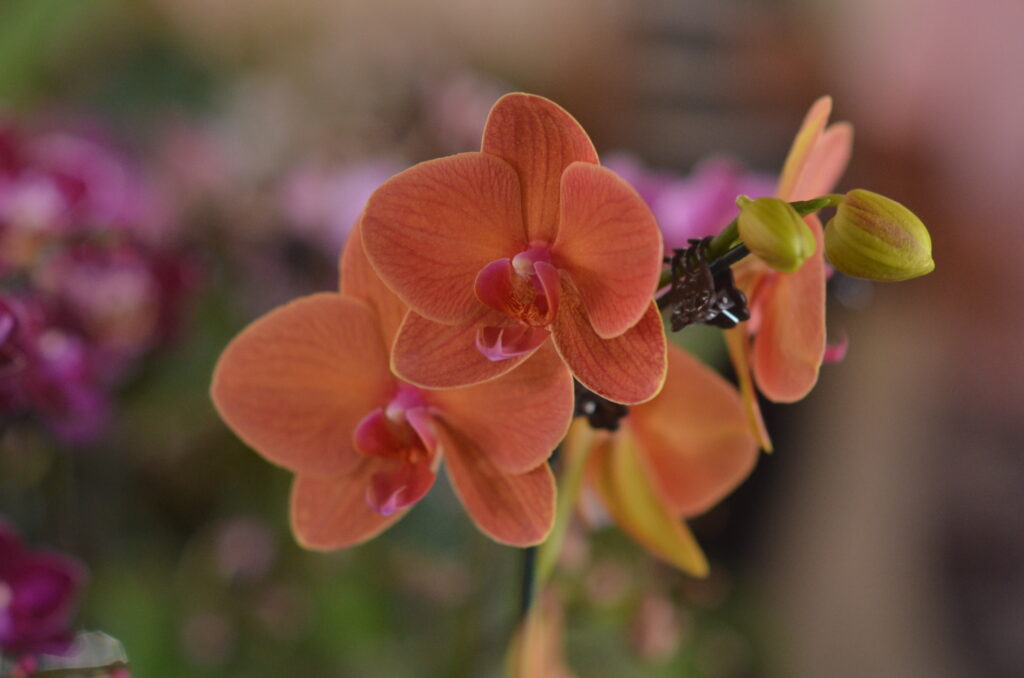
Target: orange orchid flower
783,343
308,386
529,238
672,458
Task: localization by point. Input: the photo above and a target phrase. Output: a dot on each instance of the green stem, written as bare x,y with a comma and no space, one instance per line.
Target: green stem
729,236
528,583
568,495
724,241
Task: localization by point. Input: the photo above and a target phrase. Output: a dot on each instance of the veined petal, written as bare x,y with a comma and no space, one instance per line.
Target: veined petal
610,243
694,436
433,355
517,420
790,344
539,139
738,343
331,512
430,229
616,471
628,369
517,510
826,162
358,279
295,383
806,138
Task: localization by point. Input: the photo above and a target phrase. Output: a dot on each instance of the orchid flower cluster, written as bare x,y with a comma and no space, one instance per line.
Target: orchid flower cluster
89,283
38,594
488,298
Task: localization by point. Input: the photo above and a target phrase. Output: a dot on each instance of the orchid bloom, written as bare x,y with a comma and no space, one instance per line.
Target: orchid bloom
308,386
672,458
530,238
783,343
38,594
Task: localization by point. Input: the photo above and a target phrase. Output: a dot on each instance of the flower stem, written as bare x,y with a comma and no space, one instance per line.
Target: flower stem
724,241
528,581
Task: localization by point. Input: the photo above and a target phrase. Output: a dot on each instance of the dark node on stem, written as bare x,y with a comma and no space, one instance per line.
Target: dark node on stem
600,413
703,292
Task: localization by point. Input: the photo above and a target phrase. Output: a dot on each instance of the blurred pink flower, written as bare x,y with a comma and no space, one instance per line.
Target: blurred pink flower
38,594
323,203
45,371
90,286
455,108
695,205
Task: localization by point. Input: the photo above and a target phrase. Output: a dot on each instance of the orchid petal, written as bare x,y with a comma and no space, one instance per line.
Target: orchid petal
331,512
628,369
826,162
516,420
694,435
803,144
295,383
517,510
790,344
738,343
430,229
358,279
539,139
621,480
433,355
610,243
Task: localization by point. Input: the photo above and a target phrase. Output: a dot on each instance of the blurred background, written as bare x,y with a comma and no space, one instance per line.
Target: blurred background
171,169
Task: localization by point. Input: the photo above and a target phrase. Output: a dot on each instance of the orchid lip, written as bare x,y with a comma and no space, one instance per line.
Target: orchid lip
502,343
523,263
400,436
525,289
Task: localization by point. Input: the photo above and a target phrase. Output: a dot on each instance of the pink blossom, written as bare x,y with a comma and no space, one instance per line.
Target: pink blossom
695,205
38,593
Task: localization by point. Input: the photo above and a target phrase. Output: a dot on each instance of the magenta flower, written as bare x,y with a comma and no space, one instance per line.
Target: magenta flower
696,205
89,284
38,593
46,372
322,203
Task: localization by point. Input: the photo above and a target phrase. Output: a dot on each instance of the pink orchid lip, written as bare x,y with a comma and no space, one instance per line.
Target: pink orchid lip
502,343
524,262
524,288
395,489
401,435
836,352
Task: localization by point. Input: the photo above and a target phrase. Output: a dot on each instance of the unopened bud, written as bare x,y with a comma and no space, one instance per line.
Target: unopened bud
772,229
877,238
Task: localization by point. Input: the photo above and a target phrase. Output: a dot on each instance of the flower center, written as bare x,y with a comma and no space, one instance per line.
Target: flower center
525,289
400,436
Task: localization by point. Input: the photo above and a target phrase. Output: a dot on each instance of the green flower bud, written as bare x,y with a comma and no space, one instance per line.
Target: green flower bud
772,229
877,238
